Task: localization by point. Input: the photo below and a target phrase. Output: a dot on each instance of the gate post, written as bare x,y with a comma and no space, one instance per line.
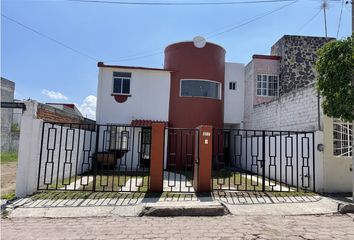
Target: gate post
157,157
94,159
203,163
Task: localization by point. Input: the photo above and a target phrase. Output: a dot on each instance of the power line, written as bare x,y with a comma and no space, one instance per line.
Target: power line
309,21
252,20
340,18
157,3
49,38
211,34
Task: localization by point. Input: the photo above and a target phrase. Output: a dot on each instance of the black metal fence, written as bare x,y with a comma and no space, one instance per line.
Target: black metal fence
182,152
90,157
245,160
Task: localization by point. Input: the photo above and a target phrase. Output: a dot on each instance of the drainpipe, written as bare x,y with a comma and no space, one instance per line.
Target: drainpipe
353,121
319,112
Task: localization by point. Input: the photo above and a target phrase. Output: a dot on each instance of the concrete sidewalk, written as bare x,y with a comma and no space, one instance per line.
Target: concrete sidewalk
242,204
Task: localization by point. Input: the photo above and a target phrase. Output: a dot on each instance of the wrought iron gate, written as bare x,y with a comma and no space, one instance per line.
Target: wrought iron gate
182,152
90,157
253,160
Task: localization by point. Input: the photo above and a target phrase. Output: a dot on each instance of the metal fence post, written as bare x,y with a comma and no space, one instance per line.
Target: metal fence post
263,161
94,160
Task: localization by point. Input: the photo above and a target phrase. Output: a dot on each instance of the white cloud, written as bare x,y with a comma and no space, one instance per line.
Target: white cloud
88,107
54,95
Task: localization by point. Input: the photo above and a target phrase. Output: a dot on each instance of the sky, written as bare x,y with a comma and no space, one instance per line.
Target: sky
135,35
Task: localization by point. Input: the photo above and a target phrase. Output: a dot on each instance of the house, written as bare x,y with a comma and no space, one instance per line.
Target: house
67,107
197,87
10,117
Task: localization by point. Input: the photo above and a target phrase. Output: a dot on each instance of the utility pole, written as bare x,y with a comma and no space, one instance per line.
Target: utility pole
348,2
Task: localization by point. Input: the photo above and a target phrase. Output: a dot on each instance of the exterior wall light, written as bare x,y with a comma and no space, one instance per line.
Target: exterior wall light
320,147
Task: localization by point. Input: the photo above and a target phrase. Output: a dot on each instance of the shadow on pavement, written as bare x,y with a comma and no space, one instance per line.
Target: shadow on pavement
54,199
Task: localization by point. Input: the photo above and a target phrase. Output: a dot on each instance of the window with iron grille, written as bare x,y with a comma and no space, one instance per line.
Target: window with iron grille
342,138
267,85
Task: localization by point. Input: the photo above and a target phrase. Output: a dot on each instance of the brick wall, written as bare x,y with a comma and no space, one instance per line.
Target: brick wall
296,110
51,114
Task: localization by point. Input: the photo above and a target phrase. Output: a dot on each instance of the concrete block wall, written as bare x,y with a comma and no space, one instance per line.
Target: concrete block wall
295,111
7,95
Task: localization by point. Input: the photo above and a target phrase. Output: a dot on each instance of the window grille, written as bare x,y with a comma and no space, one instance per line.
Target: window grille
342,138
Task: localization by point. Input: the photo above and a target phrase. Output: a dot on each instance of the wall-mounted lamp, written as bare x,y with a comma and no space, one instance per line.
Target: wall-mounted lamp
320,147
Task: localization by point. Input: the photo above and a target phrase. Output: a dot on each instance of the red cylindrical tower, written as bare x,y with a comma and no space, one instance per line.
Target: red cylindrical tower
192,63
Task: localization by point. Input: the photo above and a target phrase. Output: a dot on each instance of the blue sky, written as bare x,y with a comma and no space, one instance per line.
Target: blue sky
48,72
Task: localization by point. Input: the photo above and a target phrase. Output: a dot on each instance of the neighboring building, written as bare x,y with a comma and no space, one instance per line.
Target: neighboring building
280,92
61,113
10,118
67,107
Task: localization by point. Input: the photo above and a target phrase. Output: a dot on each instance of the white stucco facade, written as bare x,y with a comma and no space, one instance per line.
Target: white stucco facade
234,98
149,96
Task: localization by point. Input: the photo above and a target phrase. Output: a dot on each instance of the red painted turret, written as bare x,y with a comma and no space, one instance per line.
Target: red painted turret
201,102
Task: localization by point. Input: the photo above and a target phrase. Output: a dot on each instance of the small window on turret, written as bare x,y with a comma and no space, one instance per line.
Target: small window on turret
232,85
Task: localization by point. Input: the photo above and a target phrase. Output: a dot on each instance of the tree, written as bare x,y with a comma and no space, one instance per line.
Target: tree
335,66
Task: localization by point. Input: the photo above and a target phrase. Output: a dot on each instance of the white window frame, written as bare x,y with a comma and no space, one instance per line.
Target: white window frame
342,138
121,87
205,80
267,85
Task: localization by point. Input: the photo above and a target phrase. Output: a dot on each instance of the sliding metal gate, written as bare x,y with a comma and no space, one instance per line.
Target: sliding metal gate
253,160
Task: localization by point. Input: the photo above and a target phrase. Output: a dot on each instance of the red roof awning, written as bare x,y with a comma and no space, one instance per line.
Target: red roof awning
146,123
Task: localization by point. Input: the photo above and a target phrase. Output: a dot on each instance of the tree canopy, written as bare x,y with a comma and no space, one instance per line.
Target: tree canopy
335,67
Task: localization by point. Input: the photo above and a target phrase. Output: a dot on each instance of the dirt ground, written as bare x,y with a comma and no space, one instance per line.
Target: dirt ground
8,177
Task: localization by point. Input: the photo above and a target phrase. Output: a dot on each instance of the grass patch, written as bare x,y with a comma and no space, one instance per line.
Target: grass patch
72,195
230,180
236,181
8,196
105,182
8,157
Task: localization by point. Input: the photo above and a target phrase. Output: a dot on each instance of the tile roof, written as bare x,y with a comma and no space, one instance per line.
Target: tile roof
146,123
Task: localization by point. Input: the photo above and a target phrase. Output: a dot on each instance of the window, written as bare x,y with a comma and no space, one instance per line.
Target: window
200,88
145,146
121,82
232,85
118,138
342,138
267,85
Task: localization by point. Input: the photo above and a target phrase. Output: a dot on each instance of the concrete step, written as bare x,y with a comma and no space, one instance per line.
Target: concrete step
173,211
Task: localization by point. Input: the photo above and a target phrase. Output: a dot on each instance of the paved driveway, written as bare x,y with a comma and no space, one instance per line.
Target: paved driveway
227,227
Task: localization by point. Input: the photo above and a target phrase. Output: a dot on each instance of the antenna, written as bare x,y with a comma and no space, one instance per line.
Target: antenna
324,6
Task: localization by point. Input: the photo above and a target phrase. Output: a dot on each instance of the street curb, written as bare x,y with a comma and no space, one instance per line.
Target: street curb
205,211
345,208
